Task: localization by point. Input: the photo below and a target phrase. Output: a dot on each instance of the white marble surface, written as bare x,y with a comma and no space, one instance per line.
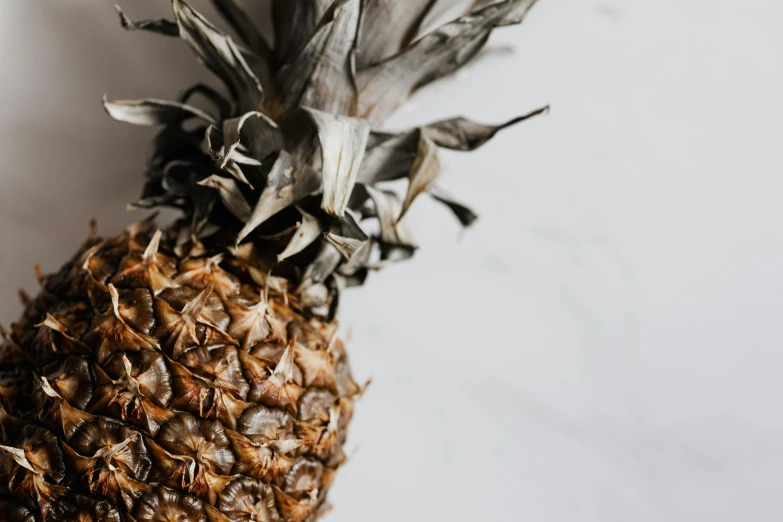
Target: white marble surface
604,345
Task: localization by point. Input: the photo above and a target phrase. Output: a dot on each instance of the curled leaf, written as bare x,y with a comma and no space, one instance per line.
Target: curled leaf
160,26
153,112
263,133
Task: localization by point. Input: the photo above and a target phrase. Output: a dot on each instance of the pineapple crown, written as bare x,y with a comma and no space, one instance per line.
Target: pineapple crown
289,159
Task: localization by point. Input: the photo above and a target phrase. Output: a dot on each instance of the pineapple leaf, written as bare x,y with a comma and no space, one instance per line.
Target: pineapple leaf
160,26
382,87
378,39
308,230
230,195
263,132
286,184
424,172
391,158
294,23
220,54
321,76
466,135
153,112
465,215
244,26
394,233
343,141
347,236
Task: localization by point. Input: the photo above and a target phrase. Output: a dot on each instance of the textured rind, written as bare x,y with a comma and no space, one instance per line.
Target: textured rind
140,385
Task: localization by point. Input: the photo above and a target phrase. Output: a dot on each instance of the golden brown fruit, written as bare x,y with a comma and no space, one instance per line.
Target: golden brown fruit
145,384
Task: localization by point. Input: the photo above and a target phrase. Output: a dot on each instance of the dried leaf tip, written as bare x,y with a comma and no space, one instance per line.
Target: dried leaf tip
152,248
19,457
194,308
24,297
48,390
161,26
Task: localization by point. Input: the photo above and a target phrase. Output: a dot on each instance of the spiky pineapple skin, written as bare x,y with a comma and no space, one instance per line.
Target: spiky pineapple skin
140,385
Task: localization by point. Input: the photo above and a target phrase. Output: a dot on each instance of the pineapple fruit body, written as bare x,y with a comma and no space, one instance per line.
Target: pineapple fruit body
148,386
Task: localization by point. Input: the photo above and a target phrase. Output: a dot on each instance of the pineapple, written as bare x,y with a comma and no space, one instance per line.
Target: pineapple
195,372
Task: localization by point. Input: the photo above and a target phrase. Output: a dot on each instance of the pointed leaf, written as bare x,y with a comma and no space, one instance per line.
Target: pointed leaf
220,54
233,168
295,23
312,291
160,26
323,265
230,195
424,172
465,215
152,112
384,86
285,185
387,26
308,231
463,134
390,159
343,141
321,76
244,26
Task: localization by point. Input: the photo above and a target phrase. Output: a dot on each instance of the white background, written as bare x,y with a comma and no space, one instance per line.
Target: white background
604,345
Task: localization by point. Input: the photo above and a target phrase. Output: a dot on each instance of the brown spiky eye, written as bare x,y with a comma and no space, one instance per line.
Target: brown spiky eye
213,310
204,441
136,308
204,272
80,508
303,478
12,512
220,366
248,500
270,353
314,405
100,435
261,422
74,380
149,371
162,504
